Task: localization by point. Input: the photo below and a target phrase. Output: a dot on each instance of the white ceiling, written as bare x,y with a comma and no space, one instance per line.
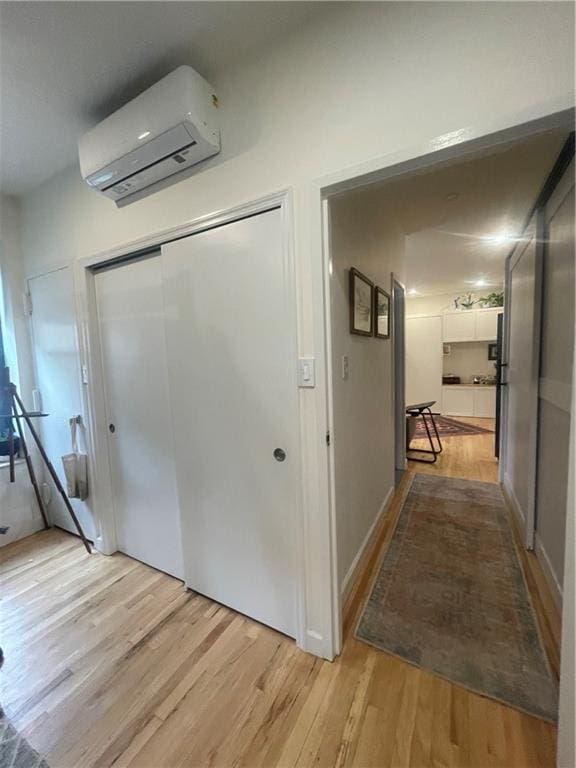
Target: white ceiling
66,65
446,246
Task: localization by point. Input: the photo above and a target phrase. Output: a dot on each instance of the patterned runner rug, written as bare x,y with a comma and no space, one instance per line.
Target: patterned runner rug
451,598
15,752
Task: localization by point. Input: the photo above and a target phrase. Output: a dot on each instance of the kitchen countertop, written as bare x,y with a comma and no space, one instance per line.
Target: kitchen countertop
469,386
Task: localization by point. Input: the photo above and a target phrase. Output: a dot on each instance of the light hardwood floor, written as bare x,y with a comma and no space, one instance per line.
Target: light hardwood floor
111,663
467,456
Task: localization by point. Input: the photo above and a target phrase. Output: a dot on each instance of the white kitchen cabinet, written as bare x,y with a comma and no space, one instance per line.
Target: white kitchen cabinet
487,324
478,401
485,402
457,401
459,326
471,325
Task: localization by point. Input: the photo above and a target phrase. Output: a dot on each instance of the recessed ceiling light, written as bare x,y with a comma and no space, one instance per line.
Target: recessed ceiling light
412,291
480,283
500,239
143,135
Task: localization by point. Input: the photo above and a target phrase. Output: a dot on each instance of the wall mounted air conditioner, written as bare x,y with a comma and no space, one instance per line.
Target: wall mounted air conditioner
165,129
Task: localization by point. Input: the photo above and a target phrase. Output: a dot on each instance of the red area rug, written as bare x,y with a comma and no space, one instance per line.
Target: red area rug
448,428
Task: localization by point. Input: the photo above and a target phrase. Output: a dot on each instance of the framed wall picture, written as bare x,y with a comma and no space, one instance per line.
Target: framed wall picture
361,303
382,313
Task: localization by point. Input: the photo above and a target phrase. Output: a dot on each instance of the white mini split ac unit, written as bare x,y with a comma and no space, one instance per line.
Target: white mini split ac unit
168,127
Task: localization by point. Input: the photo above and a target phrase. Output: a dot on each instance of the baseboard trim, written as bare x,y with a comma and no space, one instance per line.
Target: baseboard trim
549,575
513,501
539,551
543,600
350,577
374,550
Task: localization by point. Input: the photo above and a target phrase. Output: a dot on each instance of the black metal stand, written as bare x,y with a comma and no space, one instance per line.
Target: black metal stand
424,411
19,414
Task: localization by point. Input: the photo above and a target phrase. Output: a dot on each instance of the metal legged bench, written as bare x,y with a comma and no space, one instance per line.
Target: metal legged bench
424,411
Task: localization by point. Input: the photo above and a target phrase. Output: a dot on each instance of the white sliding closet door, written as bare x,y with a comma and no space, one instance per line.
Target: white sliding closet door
231,353
556,362
57,369
131,317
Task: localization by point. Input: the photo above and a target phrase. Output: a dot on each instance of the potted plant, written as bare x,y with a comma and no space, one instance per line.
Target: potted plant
466,301
494,299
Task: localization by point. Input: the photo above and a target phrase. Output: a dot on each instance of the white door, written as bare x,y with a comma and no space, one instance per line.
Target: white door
424,360
522,353
556,364
231,352
56,363
131,318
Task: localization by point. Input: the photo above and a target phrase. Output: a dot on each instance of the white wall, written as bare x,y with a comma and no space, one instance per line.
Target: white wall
567,707
367,80
12,270
373,78
18,508
430,305
363,234
468,359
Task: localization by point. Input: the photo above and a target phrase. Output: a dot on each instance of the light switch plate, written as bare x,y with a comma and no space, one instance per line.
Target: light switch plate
306,372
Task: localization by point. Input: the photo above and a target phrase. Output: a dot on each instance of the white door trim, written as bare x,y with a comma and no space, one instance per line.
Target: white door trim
399,362
91,361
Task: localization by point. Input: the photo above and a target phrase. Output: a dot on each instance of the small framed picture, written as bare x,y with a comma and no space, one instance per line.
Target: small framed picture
493,351
361,303
382,313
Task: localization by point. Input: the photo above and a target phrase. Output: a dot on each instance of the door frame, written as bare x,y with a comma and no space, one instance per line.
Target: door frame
93,374
440,150
529,517
399,382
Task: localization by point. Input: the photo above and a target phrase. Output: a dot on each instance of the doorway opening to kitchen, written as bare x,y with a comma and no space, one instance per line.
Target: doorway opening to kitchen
476,247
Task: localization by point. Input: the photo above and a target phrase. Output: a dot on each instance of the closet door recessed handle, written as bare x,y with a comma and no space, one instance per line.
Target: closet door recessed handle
112,428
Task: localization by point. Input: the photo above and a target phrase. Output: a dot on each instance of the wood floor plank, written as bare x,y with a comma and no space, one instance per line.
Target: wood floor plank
111,663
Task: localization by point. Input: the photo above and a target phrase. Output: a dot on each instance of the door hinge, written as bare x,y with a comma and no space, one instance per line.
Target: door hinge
328,437
27,301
